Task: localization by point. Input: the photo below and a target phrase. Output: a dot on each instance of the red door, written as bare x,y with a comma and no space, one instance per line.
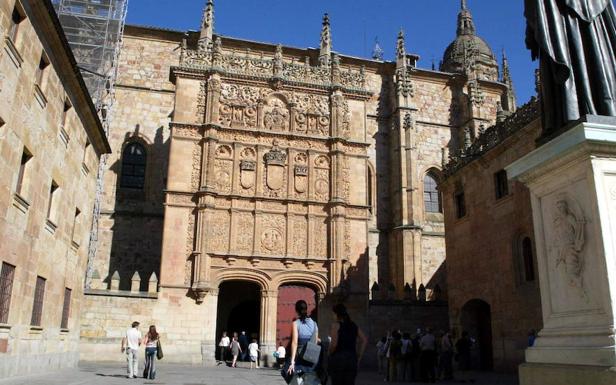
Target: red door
287,296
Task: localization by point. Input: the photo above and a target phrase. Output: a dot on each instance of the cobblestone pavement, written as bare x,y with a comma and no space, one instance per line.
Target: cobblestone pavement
112,374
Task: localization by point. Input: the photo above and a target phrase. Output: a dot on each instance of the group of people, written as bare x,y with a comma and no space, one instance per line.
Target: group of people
239,349
424,356
131,344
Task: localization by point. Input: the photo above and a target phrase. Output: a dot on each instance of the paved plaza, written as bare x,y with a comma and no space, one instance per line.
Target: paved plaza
112,374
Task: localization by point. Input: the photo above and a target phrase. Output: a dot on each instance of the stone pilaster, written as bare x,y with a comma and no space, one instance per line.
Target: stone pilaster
269,307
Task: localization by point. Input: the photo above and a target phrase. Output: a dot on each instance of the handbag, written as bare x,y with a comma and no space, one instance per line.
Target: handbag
311,352
159,350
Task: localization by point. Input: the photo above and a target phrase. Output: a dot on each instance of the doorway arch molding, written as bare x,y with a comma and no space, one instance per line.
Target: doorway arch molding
315,280
261,278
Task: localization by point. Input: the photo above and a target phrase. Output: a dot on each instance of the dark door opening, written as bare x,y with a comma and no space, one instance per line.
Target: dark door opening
476,319
239,309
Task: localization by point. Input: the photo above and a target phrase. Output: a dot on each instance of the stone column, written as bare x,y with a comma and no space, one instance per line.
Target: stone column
572,181
267,338
209,343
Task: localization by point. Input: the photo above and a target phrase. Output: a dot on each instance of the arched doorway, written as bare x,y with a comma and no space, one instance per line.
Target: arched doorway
239,309
476,319
288,294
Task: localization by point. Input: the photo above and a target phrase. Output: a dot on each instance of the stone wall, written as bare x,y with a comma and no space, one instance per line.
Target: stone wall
41,236
484,260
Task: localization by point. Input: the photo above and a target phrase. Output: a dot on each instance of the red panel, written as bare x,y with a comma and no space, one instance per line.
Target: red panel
287,296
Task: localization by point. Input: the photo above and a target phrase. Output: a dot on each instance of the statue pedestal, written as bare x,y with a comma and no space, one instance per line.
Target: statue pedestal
572,180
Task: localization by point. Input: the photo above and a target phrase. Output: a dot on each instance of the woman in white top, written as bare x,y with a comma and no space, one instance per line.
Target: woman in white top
223,346
253,352
151,348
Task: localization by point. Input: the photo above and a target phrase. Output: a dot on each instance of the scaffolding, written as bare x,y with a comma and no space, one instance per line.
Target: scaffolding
94,30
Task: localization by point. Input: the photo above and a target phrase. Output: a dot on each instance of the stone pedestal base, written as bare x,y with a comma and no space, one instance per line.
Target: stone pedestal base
543,374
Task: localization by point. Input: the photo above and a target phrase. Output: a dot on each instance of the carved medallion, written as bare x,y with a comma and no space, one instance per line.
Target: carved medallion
322,186
271,239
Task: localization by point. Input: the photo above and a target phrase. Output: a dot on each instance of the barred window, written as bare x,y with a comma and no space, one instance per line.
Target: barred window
7,274
432,197
37,307
133,166
66,308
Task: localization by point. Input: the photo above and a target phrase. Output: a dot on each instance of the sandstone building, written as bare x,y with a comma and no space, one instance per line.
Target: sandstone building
51,141
245,175
491,263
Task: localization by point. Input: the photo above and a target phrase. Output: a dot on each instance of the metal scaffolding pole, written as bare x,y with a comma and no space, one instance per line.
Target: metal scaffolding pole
94,30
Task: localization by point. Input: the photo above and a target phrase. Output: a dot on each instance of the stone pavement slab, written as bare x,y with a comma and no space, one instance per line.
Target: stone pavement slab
114,374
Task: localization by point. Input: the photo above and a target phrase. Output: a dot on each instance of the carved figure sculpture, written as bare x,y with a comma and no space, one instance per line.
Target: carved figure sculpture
569,242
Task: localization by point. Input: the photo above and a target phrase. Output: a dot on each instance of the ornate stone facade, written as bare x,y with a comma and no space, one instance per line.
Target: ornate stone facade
284,166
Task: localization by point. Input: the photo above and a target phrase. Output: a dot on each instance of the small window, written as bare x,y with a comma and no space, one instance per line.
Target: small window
52,192
37,307
42,70
460,202
432,197
133,166
75,231
16,18
528,260
501,184
7,274
66,308
23,170
67,108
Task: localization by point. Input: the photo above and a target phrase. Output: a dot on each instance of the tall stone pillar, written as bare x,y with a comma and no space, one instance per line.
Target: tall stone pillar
208,345
267,339
572,180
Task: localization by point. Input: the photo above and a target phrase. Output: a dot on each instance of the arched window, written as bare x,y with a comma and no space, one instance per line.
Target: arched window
528,259
133,166
432,197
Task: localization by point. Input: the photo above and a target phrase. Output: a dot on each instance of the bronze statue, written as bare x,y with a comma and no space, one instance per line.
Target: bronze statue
575,41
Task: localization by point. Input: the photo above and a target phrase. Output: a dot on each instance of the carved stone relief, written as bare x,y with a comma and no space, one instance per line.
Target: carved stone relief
244,233
272,237
248,169
321,178
195,177
238,105
320,238
312,115
300,234
276,115
218,226
223,166
190,240
301,175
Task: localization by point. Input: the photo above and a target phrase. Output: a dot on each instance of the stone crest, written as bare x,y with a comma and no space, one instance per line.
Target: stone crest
248,167
275,161
301,172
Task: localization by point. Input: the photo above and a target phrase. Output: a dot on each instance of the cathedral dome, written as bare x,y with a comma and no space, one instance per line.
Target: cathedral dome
468,48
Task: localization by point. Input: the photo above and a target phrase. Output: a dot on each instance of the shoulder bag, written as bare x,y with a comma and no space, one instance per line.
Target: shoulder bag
159,350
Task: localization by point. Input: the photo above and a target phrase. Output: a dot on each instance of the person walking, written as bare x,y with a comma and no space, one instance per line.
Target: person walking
346,349
427,344
130,345
381,351
236,350
304,330
223,347
281,354
151,348
253,353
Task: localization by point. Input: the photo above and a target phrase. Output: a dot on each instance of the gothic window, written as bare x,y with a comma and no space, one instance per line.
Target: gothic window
37,307
133,166
6,287
432,197
528,260
501,184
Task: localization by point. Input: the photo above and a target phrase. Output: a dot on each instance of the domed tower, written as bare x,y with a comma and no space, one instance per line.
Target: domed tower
469,54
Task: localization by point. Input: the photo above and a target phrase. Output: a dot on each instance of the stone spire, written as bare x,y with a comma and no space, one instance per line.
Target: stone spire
509,99
377,51
466,25
400,51
326,42
207,26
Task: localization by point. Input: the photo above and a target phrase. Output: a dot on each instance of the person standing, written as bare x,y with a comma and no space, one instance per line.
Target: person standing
244,345
151,348
236,350
445,363
130,345
346,349
394,355
281,354
253,353
223,346
381,351
427,344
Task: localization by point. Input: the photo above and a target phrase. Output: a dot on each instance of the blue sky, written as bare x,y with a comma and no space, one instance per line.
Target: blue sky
430,25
